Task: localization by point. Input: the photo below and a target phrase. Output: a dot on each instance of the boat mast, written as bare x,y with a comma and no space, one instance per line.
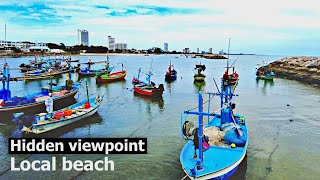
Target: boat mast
5,40
200,133
228,57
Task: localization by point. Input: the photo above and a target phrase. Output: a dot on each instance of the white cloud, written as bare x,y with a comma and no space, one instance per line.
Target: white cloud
254,23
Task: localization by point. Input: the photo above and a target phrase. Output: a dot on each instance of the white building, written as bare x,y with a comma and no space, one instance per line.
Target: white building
22,45
210,50
198,50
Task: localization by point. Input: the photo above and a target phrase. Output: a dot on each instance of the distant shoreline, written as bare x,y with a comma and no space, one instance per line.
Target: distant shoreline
32,54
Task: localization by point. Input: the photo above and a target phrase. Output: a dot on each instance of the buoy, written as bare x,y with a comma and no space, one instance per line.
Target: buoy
233,145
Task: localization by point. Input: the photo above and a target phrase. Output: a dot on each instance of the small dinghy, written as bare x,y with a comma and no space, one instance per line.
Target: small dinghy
264,73
46,122
199,76
217,146
171,74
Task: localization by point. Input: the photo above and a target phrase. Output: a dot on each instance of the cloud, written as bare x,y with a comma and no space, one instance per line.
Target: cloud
255,26
31,15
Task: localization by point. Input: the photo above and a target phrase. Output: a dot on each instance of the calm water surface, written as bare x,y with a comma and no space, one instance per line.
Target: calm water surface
278,148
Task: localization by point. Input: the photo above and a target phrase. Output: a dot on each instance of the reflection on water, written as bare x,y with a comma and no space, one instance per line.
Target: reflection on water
158,100
199,86
264,85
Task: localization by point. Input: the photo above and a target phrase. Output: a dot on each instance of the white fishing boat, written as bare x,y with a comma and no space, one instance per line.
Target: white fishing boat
46,122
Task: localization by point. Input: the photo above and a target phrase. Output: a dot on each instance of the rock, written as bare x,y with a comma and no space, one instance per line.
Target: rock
313,70
301,68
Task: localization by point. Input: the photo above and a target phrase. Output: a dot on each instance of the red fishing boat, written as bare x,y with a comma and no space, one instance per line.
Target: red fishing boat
147,88
230,79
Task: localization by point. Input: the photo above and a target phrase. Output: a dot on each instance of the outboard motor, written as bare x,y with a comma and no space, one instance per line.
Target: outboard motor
161,88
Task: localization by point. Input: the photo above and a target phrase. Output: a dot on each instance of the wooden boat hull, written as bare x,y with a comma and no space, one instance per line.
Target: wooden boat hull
113,77
152,92
40,129
91,73
43,76
34,108
199,77
270,78
170,77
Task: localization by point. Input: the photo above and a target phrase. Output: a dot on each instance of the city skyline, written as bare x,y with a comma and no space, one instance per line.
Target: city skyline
270,27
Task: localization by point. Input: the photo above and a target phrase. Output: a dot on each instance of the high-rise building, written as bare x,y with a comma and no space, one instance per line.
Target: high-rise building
111,42
197,50
210,50
83,37
166,49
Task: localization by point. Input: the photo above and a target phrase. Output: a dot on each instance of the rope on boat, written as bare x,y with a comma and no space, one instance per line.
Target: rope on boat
184,177
202,104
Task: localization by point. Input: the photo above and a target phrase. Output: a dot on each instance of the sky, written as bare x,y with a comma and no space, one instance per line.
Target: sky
254,26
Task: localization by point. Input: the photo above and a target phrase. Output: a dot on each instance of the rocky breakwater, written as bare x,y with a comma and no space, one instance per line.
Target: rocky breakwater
213,56
301,68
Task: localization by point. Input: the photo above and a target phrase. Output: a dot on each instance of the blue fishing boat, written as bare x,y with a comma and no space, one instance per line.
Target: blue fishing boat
216,148
32,103
88,72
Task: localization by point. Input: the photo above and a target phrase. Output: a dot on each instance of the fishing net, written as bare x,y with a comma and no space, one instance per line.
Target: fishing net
215,136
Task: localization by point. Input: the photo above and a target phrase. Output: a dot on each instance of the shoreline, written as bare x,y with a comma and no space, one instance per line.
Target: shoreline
300,68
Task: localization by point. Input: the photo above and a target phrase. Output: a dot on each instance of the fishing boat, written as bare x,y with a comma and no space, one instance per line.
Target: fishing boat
148,88
230,79
30,67
32,103
109,77
36,75
112,77
88,72
270,76
264,73
199,76
171,74
46,122
215,147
